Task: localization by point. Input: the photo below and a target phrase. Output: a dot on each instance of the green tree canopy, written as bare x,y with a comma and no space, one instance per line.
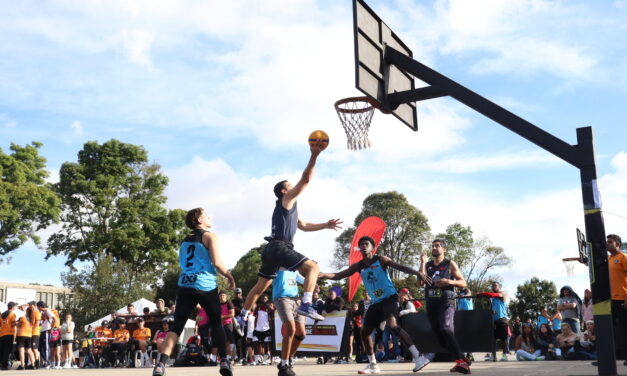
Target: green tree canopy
246,268
531,297
406,234
27,202
113,205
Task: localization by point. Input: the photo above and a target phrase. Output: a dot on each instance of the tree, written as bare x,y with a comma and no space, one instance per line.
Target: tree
102,288
246,268
27,202
531,297
113,205
476,258
406,234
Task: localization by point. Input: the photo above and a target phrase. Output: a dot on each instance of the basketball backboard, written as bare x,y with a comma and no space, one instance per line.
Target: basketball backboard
373,76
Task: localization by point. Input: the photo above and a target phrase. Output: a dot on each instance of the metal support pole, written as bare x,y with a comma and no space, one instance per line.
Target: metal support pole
597,261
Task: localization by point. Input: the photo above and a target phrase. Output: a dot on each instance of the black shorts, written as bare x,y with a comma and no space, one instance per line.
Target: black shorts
186,301
279,254
228,330
25,342
65,342
381,311
500,328
55,343
265,336
34,342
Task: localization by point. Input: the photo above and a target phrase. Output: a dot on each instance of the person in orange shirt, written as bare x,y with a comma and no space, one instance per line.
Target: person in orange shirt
617,262
103,331
120,341
7,334
142,335
25,339
36,325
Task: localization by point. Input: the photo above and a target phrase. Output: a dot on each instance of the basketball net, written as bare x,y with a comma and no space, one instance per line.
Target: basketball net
570,265
355,113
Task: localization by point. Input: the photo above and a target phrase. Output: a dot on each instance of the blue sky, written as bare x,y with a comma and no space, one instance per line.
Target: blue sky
224,94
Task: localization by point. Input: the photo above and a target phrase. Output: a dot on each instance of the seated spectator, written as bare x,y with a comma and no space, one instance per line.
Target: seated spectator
526,347
160,334
587,343
333,302
119,344
546,342
101,333
566,341
147,316
318,303
141,336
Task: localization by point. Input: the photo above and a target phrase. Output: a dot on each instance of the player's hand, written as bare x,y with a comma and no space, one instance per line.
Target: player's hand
231,282
425,278
316,148
334,224
424,258
442,282
323,276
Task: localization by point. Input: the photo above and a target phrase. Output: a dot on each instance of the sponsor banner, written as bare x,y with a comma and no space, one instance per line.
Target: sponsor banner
324,336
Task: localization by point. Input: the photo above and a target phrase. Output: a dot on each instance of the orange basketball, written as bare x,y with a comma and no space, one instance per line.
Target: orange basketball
319,136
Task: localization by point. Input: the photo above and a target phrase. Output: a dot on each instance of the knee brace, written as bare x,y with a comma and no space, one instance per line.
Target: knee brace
396,330
300,338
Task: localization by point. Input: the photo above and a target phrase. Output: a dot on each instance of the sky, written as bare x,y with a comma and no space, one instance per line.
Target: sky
224,94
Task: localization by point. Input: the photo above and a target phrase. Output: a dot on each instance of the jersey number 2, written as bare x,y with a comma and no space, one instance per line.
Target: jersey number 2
190,252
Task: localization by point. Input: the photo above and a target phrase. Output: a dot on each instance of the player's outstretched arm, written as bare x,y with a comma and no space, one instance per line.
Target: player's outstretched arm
292,194
211,242
340,275
331,224
405,269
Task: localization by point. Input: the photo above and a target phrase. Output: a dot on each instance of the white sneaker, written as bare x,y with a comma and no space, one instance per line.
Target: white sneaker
370,369
420,363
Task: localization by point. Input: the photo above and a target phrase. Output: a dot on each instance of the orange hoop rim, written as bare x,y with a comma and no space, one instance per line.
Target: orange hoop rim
371,105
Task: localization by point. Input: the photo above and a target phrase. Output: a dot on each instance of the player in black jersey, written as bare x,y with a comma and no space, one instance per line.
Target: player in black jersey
280,253
445,277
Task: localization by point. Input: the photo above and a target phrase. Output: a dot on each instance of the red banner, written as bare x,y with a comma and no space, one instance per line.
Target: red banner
373,227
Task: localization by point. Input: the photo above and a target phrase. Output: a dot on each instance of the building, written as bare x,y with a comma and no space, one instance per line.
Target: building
22,293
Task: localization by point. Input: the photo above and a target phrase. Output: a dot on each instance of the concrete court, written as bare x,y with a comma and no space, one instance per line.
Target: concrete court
389,369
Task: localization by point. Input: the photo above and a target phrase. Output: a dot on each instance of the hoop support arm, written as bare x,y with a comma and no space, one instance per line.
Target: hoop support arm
415,95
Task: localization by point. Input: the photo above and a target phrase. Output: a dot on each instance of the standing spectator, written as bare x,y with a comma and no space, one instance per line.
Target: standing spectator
586,308
464,303
546,342
617,262
161,309
333,302
202,327
7,334
556,319
354,342
240,340
250,344
238,301
67,339
544,318
526,348
36,325
498,301
569,306
227,314
131,314
147,316
262,334
47,319
24,339
516,329
113,323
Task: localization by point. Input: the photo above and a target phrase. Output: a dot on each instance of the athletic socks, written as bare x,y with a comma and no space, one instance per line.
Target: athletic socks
372,359
164,358
307,296
284,362
414,351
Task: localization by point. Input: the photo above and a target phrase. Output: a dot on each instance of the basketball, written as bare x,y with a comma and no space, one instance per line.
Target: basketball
319,136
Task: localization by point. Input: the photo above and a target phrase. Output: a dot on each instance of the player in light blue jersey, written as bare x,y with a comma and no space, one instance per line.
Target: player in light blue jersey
285,298
199,258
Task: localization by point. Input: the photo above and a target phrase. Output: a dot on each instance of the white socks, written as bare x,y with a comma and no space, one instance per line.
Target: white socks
414,351
372,359
307,296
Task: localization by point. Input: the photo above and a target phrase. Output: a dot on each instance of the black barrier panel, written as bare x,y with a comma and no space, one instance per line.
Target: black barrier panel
474,331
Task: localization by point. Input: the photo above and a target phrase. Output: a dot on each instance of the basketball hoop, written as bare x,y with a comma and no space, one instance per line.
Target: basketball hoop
356,113
570,263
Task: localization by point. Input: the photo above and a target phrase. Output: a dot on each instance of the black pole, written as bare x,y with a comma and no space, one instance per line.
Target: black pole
597,260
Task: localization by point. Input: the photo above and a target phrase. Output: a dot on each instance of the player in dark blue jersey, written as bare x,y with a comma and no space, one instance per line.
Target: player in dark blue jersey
384,307
280,253
199,258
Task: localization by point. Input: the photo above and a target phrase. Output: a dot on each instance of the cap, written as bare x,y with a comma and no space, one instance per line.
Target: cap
104,322
238,290
405,290
11,305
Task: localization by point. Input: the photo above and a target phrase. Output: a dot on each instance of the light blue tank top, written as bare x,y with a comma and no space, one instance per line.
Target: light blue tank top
465,304
197,269
376,280
557,324
499,308
542,320
285,285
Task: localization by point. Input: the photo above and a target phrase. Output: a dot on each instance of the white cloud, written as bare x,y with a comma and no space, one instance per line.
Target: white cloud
137,44
77,128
